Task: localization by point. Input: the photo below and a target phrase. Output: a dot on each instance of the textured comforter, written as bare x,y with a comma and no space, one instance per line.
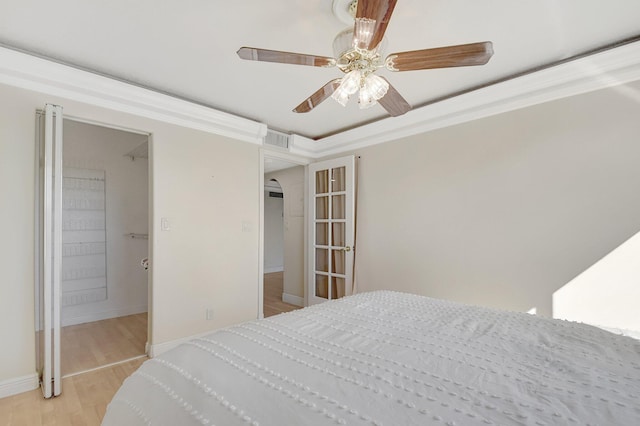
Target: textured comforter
387,358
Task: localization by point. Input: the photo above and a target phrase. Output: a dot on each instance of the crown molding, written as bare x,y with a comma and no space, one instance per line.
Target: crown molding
608,68
303,146
600,70
41,75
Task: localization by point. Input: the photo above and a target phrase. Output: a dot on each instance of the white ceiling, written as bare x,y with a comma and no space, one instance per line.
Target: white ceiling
187,48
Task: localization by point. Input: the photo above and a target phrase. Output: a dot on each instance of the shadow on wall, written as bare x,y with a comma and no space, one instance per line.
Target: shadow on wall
607,294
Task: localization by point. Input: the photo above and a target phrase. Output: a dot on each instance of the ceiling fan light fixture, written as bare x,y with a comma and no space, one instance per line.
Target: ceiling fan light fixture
359,54
340,96
373,89
363,32
351,82
349,85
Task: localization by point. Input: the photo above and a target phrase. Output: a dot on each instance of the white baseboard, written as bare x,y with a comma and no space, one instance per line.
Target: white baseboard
160,348
273,269
18,385
99,316
294,300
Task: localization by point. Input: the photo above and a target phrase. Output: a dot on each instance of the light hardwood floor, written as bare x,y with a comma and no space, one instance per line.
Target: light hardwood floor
273,287
94,344
85,396
83,401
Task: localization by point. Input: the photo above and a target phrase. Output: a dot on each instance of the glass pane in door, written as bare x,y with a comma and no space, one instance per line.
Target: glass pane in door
338,179
322,260
322,286
322,208
337,234
337,261
322,182
322,234
338,208
337,288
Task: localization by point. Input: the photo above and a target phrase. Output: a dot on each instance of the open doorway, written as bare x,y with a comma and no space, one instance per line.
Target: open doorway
104,286
274,249
283,240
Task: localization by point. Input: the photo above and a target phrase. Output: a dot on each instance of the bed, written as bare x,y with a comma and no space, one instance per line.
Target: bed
389,358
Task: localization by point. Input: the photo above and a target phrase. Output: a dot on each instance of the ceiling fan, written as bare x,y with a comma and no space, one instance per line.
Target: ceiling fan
359,55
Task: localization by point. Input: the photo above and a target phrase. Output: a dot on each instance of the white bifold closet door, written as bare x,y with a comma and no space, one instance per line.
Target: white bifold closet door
48,247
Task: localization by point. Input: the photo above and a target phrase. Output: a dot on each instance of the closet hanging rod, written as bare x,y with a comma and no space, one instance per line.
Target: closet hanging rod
137,236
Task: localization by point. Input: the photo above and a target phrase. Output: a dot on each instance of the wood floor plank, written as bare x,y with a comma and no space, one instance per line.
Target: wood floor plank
85,396
91,345
83,401
273,289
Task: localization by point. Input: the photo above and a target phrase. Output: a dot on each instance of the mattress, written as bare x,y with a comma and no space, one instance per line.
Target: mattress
388,358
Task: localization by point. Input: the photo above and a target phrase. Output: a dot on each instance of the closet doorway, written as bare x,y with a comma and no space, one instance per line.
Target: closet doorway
105,227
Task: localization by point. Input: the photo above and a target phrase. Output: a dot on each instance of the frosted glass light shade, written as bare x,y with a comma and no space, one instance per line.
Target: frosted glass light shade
340,96
374,88
363,34
342,43
351,82
378,86
348,86
365,100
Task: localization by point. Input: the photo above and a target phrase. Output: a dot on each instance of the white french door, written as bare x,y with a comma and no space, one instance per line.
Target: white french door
331,229
49,247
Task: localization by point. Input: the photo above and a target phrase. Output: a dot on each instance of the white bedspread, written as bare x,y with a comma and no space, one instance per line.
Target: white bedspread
387,358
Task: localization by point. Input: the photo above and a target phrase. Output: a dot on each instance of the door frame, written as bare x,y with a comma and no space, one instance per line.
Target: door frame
150,211
294,159
349,162
39,218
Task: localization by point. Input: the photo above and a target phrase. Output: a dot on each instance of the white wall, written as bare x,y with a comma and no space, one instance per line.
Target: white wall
506,210
208,188
127,211
292,182
17,183
608,293
273,233
207,185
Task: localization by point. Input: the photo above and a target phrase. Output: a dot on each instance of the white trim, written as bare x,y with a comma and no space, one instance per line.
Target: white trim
41,75
292,299
260,300
57,249
295,158
160,348
91,122
47,256
301,159
302,146
18,385
99,316
102,367
601,70
274,269
307,221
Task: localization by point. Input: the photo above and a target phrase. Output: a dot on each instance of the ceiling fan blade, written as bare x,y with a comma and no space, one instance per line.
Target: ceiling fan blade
318,97
378,10
462,55
393,102
264,55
